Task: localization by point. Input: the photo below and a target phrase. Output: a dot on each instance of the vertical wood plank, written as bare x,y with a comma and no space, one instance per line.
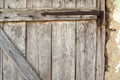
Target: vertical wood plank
100,57
15,4
86,4
63,45
39,48
86,50
101,34
70,3
16,33
63,51
86,44
1,63
17,58
80,49
1,52
58,3
39,42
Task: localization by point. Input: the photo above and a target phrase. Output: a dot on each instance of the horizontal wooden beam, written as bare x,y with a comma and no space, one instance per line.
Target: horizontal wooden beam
13,53
36,15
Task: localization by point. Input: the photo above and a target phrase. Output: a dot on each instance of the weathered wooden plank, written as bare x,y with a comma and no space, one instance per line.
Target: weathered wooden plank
86,50
1,59
39,41
87,4
80,49
69,3
15,4
16,33
17,58
101,33
58,3
1,64
63,45
63,51
1,52
36,15
1,4
39,4
39,48
86,44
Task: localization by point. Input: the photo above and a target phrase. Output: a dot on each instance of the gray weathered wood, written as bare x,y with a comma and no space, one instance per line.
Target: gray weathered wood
10,4
63,45
1,59
63,51
19,61
1,4
39,41
86,50
39,48
35,15
86,44
86,4
16,33
101,33
1,63
1,52
80,47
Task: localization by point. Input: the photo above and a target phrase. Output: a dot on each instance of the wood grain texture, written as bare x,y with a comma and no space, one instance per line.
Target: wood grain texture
86,44
101,34
16,33
39,48
74,55
1,59
86,50
39,41
63,45
80,49
17,58
87,4
1,52
63,51
15,4
1,64
36,15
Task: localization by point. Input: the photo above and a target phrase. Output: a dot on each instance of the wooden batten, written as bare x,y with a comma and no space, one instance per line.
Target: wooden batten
36,15
16,57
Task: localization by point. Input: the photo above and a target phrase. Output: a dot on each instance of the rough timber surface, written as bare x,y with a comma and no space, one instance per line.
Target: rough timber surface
39,42
56,47
1,52
16,57
37,15
16,33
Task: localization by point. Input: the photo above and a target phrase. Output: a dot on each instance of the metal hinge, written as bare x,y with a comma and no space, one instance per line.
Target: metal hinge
100,14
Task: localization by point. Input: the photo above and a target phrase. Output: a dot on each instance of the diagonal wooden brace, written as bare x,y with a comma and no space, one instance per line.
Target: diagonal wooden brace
12,52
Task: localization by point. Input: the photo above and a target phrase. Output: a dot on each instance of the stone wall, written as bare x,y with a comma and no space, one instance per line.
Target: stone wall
112,71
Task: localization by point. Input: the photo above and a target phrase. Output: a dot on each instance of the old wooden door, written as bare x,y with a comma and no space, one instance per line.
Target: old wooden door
55,49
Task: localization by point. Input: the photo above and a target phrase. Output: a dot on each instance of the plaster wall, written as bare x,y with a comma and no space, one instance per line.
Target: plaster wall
112,71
